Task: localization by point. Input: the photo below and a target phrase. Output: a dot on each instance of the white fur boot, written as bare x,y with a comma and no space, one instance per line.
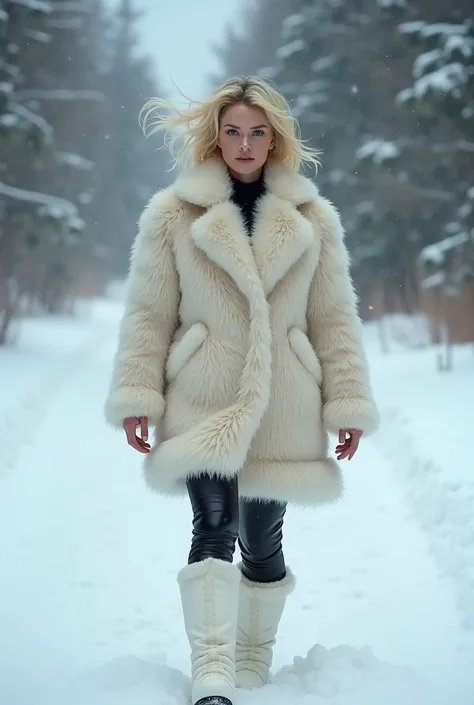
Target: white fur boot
209,596
260,609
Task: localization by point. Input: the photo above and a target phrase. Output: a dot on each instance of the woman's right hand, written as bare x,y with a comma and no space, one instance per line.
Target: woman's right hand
139,442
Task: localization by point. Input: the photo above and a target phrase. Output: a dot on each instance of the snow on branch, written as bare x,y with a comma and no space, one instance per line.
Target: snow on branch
36,34
427,30
34,119
60,94
50,206
292,23
42,199
425,61
387,4
38,5
447,79
74,160
436,252
378,150
288,50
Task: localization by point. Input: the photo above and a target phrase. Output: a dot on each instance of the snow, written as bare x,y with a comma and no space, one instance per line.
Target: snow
387,4
291,23
8,120
433,280
295,47
74,160
60,94
34,119
324,63
34,5
6,87
43,199
379,150
37,35
447,79
89,606
432,29
425,61
436,251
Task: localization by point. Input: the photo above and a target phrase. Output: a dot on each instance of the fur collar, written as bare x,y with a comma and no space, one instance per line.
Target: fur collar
208,184
281,232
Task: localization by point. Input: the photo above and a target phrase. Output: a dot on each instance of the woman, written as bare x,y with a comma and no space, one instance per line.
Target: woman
241,345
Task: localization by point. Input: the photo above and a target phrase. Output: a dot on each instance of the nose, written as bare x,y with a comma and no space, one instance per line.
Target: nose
244,146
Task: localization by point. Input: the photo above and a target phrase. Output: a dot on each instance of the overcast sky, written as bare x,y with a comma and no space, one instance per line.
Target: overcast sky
178,34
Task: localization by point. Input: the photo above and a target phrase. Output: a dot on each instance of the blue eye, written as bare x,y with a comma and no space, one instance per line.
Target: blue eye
231,131
261,132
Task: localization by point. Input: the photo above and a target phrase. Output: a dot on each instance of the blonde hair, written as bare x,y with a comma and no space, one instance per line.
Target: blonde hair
198,126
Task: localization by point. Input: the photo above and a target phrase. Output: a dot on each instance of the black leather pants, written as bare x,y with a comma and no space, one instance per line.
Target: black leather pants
220,518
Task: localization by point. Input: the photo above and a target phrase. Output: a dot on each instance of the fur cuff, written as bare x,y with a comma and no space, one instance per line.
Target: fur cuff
133,401
354,413
277,589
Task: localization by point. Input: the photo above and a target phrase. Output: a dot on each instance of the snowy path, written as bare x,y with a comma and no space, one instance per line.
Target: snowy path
89,606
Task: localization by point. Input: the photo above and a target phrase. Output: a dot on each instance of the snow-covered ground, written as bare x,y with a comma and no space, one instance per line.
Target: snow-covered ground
89,606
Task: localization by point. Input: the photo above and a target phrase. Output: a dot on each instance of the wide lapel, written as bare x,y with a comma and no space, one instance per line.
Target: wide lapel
220,231
281,235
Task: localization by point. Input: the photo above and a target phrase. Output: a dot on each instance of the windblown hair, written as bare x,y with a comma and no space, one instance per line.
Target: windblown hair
198,126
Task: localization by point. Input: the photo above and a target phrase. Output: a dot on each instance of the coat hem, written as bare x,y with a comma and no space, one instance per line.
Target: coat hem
310,483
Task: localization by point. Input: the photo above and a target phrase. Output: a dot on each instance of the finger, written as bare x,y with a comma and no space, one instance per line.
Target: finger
142,443
130,433
342,447
135,442
342,455
144,427
342,436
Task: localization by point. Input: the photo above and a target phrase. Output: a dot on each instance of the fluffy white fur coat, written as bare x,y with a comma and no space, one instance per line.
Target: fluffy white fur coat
243,352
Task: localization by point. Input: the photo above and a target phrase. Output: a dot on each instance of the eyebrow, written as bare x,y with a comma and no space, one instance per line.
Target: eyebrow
255,127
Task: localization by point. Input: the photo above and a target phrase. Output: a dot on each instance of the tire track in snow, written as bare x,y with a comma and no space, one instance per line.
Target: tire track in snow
443,508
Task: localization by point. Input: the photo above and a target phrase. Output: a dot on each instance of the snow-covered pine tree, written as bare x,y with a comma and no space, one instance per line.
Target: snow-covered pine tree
133,167
437,104
341,86
26,139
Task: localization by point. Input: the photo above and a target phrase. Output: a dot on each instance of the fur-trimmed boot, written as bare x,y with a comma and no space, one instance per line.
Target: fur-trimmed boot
260,609
209,596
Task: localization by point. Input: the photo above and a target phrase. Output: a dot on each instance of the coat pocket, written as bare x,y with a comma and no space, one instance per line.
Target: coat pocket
305,353
183,350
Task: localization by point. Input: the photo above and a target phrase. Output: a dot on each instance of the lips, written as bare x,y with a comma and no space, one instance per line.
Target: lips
245,159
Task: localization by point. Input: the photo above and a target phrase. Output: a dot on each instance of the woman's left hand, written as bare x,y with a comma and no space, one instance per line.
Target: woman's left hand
348,446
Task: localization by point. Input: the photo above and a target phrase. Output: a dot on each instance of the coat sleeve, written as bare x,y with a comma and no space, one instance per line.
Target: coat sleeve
149,320
335,331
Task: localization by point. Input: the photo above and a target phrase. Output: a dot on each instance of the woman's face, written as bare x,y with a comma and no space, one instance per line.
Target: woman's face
245,138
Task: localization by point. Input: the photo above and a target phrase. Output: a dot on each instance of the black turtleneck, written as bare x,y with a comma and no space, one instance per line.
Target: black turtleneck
246,196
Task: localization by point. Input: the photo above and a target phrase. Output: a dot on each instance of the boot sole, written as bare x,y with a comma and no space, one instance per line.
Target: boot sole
214,700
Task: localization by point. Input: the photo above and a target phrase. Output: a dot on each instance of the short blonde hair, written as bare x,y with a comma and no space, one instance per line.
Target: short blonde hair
198,126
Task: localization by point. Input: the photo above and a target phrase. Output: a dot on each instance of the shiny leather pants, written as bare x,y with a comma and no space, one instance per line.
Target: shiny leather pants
220,518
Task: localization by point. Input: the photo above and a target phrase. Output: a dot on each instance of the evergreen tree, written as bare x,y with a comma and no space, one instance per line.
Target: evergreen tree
75,169
132,168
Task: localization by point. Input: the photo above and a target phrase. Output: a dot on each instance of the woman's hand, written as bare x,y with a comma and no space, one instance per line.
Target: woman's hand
348,446
139,442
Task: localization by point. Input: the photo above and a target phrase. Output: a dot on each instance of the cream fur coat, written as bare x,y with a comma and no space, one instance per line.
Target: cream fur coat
244,353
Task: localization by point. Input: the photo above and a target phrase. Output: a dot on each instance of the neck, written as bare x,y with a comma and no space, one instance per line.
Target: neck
246,178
